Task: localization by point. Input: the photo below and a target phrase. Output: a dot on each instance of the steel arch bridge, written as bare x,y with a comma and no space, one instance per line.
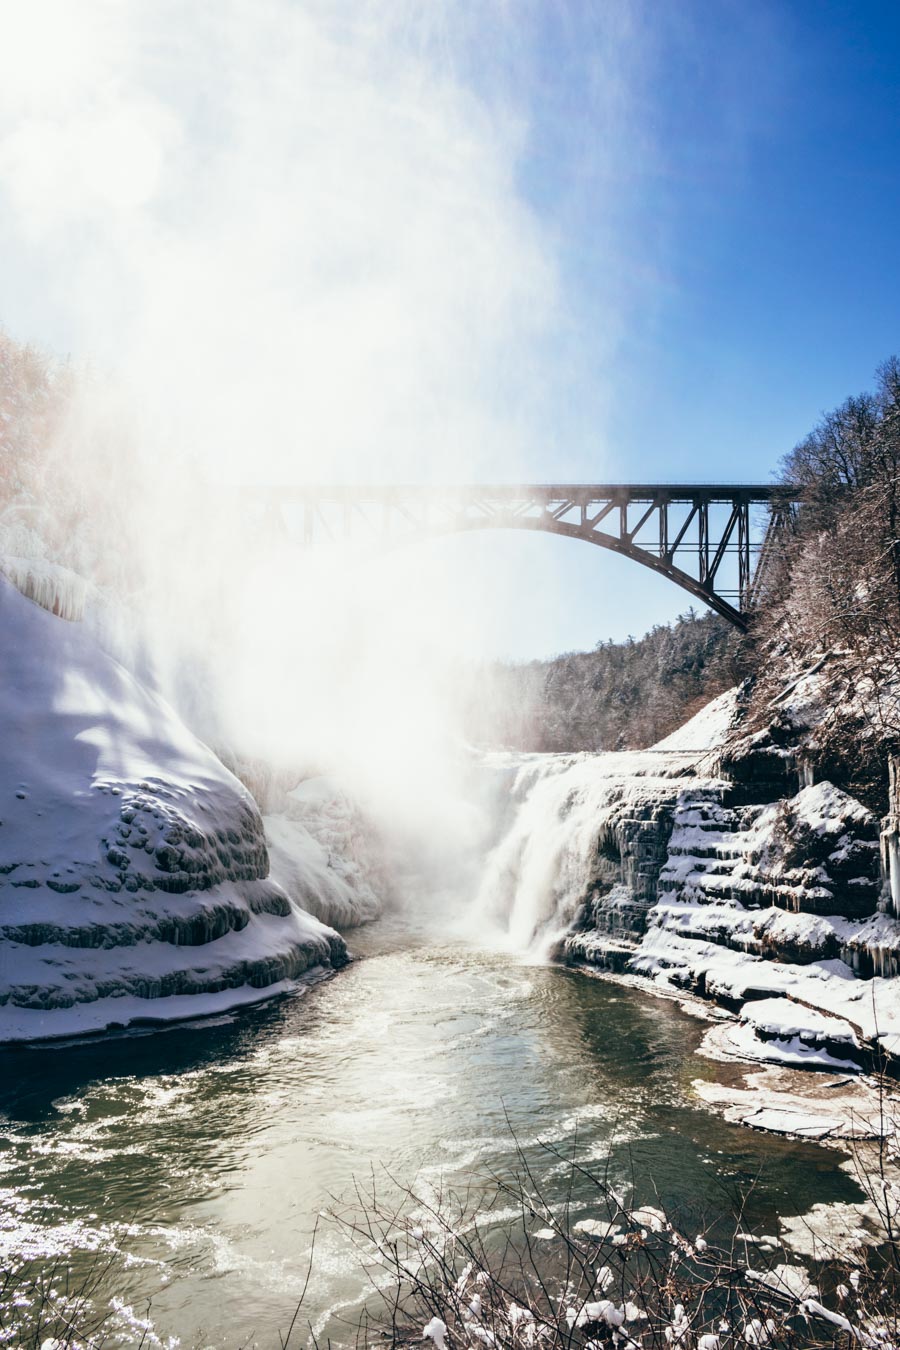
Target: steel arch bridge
703,537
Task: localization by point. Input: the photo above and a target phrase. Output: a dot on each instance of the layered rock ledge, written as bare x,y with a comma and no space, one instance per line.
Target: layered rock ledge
678,865
134,870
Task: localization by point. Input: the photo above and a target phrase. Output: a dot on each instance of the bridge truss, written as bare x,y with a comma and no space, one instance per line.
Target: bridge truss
703,537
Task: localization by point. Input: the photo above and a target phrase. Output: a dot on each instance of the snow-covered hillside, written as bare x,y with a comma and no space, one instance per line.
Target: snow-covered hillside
133,866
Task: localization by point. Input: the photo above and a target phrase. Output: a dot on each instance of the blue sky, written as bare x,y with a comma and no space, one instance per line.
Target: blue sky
763,222
700,199
756,219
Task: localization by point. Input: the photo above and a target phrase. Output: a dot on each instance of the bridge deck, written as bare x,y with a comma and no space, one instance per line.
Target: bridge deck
573,492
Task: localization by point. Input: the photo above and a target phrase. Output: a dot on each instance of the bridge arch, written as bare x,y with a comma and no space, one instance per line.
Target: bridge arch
688,533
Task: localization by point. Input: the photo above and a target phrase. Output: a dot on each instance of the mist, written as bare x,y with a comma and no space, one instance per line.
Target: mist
294,242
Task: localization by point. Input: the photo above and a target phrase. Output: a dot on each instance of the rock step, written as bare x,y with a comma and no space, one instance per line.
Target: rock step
721,823
201,919
726,852
279,949
604,952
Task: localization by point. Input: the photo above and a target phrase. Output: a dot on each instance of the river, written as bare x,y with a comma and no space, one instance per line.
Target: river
203,1153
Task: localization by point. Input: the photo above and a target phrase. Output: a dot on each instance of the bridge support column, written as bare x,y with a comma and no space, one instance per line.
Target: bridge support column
703,542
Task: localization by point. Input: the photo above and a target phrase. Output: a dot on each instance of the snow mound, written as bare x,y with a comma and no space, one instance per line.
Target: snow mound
825,809
707,729
133,866
783,1018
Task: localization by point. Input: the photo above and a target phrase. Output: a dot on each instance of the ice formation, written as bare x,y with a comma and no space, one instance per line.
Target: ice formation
324,854
50,585
133,866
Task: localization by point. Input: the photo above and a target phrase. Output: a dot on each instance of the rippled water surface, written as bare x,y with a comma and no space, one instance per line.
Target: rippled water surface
204,1153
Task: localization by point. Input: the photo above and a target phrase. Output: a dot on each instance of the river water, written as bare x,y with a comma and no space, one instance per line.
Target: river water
202,1154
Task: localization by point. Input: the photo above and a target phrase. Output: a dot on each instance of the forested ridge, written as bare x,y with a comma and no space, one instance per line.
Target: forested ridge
831,599
620,696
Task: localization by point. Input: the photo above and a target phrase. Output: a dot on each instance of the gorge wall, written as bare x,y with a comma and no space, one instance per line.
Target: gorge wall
134,871
714,864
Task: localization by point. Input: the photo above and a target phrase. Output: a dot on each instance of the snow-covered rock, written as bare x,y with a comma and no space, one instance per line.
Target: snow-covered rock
133,866
325,855
651,863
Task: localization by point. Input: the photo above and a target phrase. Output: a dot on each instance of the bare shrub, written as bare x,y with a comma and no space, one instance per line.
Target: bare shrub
500,1265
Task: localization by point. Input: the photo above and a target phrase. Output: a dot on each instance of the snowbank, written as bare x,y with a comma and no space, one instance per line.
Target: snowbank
707,729
133,866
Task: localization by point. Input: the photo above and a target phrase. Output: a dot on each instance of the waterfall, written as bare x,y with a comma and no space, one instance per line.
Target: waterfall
560,836
570,827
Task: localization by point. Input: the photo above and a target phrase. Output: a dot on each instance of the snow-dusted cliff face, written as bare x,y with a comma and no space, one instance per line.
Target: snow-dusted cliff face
653,864
133,866
325,854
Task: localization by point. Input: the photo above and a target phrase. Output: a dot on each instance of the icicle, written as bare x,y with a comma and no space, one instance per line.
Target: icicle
49,585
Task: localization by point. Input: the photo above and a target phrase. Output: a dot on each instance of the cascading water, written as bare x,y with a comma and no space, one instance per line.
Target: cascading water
637,862
570,827
538,870
557,833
